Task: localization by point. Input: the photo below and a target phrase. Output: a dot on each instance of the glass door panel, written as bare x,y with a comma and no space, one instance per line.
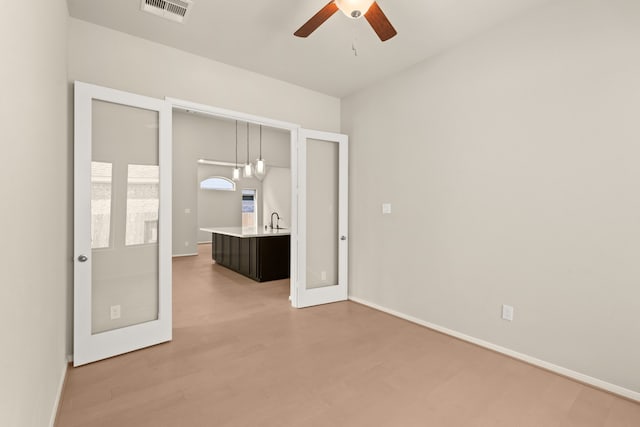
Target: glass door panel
101,186
124,275
322,213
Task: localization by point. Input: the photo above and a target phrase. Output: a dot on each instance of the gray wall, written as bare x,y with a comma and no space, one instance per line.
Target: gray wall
136,65
511,165
204,137
276,195
36,233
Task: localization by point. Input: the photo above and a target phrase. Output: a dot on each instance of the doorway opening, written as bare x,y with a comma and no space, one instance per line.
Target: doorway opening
300,203
211,145
249,208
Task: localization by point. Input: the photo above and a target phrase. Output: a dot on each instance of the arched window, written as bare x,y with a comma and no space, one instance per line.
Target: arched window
218,183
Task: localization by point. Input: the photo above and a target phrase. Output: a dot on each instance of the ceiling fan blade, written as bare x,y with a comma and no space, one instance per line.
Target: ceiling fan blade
379,22
316,20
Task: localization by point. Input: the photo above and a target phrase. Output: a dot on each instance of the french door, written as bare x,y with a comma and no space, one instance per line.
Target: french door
122,224
323,166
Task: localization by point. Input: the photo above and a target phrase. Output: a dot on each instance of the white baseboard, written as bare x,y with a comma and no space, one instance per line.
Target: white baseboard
181,255
595,382
56,404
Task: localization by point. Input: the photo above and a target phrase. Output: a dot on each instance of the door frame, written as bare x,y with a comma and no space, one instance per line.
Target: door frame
298,294
90,347
294,130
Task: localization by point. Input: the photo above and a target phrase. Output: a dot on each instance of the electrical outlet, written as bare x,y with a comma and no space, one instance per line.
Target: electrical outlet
186,243
115,312
187,210
507,312
323,275
386,208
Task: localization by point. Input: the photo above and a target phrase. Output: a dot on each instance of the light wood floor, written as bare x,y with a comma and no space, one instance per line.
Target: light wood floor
242,357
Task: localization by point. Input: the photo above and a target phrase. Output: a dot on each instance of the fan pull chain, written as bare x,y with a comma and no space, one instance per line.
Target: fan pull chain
354,47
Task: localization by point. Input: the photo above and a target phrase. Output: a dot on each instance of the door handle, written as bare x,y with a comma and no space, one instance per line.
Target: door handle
343,237
82,258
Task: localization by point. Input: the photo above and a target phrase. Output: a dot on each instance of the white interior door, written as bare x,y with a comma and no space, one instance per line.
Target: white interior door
122,225
323,167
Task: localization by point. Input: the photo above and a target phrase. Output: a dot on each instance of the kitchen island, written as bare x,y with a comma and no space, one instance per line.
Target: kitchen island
258,253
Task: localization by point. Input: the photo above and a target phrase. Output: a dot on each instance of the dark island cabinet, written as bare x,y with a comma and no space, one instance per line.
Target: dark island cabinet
244,257
261,258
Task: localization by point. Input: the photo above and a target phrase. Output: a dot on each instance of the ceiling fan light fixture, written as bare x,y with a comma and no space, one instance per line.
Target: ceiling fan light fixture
354,9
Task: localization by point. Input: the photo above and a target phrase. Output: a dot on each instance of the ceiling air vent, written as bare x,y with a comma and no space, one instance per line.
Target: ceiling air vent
173,10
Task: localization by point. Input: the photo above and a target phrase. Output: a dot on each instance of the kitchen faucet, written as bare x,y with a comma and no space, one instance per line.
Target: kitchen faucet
277,220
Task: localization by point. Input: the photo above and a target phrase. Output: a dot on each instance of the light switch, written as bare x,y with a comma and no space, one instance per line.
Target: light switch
115,312
507,312
386,208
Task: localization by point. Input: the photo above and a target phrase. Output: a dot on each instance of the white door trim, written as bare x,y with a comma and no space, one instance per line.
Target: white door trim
310,297
88,347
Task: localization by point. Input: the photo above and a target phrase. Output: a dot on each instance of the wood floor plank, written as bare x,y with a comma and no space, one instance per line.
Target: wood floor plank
241,356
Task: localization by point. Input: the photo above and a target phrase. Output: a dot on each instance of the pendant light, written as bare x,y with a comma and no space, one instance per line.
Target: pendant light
247,166
260,161
236,170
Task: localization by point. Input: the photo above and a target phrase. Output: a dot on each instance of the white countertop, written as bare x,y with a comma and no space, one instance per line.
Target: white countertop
247,231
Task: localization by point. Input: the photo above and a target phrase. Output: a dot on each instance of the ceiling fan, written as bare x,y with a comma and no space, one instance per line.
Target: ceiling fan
354,9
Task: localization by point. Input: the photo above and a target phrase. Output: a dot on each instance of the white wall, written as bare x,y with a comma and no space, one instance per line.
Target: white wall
511,163
36,231
110,58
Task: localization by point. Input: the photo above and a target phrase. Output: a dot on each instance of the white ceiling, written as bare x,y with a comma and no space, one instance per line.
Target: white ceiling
258,35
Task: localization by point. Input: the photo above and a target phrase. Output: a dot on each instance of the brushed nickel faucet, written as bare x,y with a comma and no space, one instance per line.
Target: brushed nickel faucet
277,220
